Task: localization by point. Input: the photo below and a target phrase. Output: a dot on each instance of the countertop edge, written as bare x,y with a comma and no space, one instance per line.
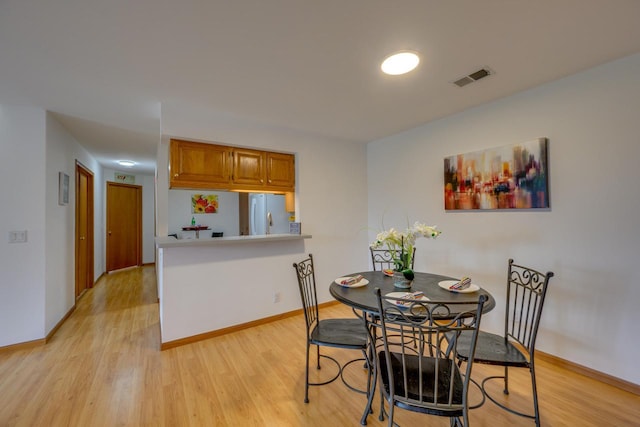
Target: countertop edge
171,242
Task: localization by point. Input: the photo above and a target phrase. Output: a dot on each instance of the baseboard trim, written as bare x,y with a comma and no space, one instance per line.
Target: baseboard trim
59,324
42,341
235,328
23,345
590,373
98,279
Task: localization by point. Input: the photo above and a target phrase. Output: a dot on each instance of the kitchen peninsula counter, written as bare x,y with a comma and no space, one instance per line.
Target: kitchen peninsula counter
172,242
213,285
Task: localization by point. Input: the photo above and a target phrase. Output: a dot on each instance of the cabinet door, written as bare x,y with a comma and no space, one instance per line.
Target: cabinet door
248,167
197,165
280,171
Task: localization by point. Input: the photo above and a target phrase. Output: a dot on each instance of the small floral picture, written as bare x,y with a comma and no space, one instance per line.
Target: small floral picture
204,203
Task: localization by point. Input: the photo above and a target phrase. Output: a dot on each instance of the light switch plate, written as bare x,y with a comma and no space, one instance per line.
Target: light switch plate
18,236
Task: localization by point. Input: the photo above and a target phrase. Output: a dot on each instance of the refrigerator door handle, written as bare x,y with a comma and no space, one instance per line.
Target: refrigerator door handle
252,216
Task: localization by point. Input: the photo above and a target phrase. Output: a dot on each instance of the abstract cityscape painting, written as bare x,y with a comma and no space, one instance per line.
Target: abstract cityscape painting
509,177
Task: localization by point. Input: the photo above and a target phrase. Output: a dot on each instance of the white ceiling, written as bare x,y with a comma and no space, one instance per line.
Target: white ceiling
106,67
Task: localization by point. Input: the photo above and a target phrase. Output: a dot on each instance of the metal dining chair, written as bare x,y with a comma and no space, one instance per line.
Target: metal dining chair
343,333
384,258
424,378
526,292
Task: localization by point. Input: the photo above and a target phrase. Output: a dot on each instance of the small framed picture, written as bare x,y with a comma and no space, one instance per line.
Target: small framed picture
63,189
294,228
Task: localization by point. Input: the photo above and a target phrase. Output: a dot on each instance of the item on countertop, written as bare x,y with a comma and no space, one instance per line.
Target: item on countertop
193,221
387,272
464,283
352,280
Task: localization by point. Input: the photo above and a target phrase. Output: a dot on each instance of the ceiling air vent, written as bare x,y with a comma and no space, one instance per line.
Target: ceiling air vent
473,77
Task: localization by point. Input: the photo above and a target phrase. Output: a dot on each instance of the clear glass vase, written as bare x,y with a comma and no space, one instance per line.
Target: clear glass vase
401,282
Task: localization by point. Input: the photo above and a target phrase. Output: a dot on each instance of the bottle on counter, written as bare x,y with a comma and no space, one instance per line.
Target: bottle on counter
193,221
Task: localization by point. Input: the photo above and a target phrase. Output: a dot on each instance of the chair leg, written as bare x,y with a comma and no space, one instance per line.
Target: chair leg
536,412
506,380
371,388
318,355
306,378
390,414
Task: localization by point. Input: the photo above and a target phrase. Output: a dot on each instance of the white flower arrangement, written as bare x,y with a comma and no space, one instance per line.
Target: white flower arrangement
404,242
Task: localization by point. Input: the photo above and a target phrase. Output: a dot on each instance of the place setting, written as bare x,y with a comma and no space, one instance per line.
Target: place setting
405,299
352,281
463,286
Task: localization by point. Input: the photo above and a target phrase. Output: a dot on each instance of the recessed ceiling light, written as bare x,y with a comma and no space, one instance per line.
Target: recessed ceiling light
126,163
400,63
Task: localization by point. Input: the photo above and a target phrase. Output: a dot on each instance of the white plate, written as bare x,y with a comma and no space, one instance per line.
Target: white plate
402,295
446,284
362,282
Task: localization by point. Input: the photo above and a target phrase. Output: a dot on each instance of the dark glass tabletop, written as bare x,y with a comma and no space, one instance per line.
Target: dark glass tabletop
364,298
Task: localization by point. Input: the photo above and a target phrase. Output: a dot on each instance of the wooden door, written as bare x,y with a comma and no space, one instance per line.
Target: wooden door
243,213
84,230
124,226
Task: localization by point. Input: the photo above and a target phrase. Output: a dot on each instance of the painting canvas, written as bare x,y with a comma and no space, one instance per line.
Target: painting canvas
63,188
509,177
204,203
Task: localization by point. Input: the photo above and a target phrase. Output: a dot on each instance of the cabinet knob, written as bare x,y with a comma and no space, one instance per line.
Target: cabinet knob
269,181
175,175
261,181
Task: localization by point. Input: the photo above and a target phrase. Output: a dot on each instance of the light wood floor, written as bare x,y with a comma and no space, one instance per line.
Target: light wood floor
103,368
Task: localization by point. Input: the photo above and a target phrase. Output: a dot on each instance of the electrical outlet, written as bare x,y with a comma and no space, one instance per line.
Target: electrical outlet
276,297
18,236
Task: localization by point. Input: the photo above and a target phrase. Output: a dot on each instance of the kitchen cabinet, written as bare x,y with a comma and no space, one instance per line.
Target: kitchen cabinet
220,167
249,169
197,165
280,171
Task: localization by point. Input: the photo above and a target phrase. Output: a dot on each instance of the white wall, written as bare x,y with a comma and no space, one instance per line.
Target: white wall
226,219
37,278
330,197
147,182
22,265
590,238
62,151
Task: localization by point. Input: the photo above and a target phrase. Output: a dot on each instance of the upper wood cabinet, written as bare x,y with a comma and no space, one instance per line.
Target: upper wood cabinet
281,171
248,167
219,167
197,165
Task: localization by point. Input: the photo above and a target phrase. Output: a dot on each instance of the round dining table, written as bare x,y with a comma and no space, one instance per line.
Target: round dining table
363,297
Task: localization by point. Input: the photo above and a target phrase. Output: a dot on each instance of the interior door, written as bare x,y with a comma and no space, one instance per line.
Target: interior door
124,226
84,230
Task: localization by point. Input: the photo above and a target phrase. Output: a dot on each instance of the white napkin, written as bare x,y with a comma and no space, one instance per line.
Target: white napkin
464,283
349,281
